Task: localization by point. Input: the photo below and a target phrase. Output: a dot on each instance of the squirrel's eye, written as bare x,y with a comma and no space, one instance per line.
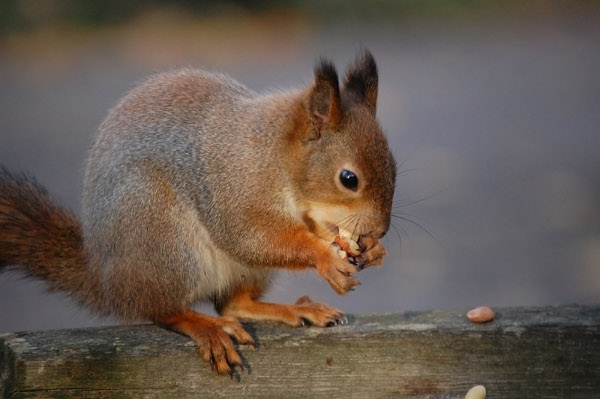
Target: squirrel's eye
349,179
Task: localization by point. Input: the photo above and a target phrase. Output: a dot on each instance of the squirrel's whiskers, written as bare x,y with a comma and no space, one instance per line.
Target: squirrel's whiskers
198,188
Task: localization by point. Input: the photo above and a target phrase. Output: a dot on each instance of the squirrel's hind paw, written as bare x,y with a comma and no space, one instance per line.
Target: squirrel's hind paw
318,314
211,334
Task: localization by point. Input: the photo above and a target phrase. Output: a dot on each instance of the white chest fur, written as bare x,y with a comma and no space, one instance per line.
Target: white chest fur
217,273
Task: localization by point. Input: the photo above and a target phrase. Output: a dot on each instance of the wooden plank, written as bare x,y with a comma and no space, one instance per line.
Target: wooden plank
549,352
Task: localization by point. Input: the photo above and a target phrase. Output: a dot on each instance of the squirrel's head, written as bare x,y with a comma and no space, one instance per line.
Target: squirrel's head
346,176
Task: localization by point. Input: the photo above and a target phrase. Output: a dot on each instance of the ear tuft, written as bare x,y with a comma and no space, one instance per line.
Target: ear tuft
324,97
360,83
325,70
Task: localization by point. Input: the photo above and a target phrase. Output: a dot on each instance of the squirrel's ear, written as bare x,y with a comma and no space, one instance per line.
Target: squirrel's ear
323,98
360,83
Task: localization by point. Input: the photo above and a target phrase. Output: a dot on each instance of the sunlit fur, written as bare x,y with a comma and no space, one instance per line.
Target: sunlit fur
198,187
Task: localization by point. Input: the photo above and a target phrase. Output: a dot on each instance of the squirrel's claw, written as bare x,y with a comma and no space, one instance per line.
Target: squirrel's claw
373,253
340,282
337,272
318,314
212,335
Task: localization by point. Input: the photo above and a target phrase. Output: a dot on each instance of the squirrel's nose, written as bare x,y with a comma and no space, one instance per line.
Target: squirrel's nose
382,229
379,234
379,229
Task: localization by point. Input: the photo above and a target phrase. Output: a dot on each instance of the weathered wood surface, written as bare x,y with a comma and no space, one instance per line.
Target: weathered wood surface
548,352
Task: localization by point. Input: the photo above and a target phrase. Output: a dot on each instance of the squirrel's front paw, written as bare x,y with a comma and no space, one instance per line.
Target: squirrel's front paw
337,272
372,252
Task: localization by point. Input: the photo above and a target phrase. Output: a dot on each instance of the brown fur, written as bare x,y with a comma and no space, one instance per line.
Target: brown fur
197,188
211,335
37,233
246,305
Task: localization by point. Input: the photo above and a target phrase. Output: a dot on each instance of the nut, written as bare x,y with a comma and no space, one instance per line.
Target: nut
481,314
346,234
477,392
348,243
348,246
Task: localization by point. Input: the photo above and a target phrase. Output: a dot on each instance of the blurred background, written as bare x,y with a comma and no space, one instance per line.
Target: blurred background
491,107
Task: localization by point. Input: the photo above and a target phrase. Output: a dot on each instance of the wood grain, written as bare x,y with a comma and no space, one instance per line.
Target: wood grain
549,352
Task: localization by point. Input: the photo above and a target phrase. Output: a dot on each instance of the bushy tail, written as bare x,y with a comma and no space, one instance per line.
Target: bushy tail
37,234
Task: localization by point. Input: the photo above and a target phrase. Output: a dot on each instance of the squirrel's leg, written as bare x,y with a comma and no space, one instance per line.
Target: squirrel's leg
245,305
297,248
212,335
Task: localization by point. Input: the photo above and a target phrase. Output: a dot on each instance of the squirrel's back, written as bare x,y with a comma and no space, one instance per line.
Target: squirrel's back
197,187
200,144
195,128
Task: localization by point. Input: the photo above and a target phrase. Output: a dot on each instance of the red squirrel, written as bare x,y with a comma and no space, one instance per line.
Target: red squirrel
198,188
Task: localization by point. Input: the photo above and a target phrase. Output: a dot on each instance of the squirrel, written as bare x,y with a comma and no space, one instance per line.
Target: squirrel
198,188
